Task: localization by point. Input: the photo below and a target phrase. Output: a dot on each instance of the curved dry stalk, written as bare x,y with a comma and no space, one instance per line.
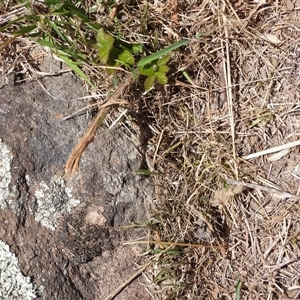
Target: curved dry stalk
72,163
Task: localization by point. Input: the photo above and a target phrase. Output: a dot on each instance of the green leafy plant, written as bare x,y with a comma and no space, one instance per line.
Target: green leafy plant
155,67
155,71
67,29
114,52
149,59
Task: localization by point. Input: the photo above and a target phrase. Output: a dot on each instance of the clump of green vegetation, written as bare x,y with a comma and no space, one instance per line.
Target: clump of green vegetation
156,71
113,52
69,31
62,27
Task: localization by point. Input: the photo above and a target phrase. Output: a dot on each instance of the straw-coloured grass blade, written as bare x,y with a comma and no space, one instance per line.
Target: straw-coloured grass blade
72,163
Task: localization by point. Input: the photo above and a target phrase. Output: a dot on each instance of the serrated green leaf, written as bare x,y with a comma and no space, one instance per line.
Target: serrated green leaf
164,69
146,70
126,58
161,77
163,60
104,55
137,48
155,67
149,82
104,45
104,39
147,60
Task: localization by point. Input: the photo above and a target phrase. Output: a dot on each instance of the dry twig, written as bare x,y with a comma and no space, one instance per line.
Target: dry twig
72,163
262,188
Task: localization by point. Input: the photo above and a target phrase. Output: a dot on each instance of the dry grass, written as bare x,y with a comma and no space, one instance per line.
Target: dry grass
242,99
241,96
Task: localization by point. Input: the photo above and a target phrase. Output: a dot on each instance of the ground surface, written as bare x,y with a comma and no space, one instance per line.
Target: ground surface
222,225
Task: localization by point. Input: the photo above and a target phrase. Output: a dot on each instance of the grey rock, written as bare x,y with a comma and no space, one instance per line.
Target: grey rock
54,224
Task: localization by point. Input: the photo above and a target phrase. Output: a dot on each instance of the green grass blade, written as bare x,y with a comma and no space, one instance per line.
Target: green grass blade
64,51
14,22
238,290
62,55
25,30
188,78
60,34
147,60
76,69
50,45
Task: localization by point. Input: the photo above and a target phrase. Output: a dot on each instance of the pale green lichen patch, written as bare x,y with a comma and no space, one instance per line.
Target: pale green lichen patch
53,200
5,174
13,285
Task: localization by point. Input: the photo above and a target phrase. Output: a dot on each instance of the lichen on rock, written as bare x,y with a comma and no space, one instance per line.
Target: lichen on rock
5,174
13,285
53,200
